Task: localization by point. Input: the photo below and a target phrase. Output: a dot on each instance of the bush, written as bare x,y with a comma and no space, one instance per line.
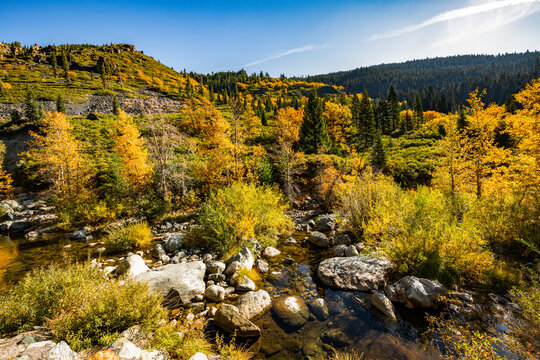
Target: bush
127,237
182,339
79,304
417,230
234,214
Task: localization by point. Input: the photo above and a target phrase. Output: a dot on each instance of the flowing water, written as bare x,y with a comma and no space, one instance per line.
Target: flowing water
352,325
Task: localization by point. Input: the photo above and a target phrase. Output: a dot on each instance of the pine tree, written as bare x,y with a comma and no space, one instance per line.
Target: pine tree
510,104
393,111
55,65
418,111
31,108
365,122
60,104
314,136
378,152
462,120
116,105
65,65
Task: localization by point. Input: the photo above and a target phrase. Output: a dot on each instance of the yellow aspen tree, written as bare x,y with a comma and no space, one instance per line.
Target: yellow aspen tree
338,123
6,182
243,126
288,123
59,157
130,147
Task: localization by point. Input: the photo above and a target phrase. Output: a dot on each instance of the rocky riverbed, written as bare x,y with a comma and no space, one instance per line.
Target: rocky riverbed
318,290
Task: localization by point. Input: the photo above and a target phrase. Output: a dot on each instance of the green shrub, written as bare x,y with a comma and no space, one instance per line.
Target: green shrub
417,230
128,237
80,305
234,214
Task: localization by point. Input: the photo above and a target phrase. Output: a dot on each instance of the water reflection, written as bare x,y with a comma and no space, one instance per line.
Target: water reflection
8,255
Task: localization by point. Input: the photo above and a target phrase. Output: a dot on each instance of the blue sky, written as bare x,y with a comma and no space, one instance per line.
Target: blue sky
291,37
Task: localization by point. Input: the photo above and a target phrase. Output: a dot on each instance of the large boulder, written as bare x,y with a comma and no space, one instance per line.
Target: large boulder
254,304
325,223
416,292
132,265
229,319
318,239
291,310
177,281
244,257
360,273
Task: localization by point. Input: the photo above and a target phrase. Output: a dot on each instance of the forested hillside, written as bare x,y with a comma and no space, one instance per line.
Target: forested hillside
442,83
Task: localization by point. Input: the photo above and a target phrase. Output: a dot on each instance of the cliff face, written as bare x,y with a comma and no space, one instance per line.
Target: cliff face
154,102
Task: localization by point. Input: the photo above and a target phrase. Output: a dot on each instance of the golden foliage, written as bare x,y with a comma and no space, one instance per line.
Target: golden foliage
59,156
130,147
338,123
5,183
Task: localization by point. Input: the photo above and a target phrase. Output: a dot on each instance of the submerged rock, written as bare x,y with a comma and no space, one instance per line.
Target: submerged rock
132,265
291,310
361,273
254,304
319,309
183,281
270,252
229,319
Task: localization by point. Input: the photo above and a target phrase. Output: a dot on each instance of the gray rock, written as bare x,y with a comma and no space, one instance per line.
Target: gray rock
383,304
199,356
336,338
229,319
270,252
361,273
326,223
217,277
318,238
243,283
165,259
206,258
288,261
153,355
418,292
319,309
351,251
232,268
342,239
61,351
254,304
244,257
183,281
339,250
157,251
215,267
19,226
214,293
290,240
174,242
125,349
261,266
291,310
132,265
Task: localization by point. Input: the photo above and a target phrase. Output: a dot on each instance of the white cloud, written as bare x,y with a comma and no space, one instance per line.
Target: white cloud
463,13
286,53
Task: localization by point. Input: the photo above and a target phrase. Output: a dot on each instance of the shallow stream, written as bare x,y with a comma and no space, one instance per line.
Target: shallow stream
352,325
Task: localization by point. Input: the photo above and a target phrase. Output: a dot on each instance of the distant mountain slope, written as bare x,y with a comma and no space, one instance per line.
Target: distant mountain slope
81,71
451,78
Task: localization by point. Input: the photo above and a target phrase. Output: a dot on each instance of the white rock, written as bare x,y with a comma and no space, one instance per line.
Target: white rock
199,356
132,266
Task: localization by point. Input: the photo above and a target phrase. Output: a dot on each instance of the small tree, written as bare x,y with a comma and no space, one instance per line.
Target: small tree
54,65
313,134
31,108
65,64
116,105
378,152
60,104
